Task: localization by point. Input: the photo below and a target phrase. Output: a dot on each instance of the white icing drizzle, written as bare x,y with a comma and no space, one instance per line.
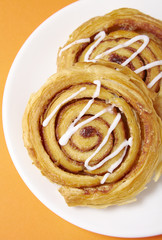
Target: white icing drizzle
105,178
126,44
112,127
47,120
157,78
125,145
118,162
113,166
148,66
65,138
97,92
100,36
113,154
84,40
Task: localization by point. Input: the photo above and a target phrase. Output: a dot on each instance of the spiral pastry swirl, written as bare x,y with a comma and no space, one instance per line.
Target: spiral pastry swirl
93,129
125,36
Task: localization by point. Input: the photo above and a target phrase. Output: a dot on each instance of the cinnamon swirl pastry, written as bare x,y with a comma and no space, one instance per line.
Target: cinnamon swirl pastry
125,36
93,129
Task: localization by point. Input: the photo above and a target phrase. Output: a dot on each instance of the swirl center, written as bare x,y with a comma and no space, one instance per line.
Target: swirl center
88,131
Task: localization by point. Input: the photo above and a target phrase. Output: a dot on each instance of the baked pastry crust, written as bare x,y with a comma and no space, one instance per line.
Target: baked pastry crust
119,26
122,93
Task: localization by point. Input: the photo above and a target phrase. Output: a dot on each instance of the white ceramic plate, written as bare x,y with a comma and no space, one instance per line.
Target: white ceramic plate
35,62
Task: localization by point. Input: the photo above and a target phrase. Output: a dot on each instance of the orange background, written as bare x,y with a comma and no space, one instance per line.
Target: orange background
22,215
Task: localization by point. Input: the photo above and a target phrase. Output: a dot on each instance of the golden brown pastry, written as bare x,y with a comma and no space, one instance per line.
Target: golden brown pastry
92,128
125,36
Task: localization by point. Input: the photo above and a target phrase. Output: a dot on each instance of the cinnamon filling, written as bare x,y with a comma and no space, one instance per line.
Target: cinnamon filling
88,132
